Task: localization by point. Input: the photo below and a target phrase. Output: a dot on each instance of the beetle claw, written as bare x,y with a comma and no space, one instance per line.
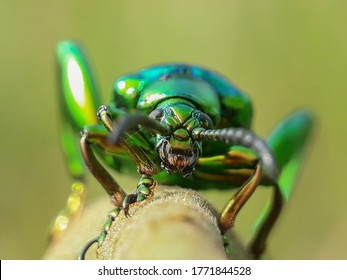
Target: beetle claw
126,212
129,199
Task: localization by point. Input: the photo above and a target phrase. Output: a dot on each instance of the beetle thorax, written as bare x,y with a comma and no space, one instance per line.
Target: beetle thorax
178,151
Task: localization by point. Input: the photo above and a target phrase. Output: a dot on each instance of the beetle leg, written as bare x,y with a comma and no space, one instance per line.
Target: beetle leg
235,204
138,149
288,141
245,138
106,114
89,136
100,239
232,168
146,183
257,246
145,165
144,190
82,254
230,211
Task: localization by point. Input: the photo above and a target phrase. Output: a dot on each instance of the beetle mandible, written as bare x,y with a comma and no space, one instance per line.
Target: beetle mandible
164,122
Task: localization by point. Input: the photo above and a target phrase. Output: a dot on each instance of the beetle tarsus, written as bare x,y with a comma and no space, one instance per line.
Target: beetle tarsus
144,189
128,200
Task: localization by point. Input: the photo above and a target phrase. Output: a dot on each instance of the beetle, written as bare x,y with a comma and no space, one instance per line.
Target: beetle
163,122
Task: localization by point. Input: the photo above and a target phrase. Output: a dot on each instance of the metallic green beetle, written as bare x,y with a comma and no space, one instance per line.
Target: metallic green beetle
163,122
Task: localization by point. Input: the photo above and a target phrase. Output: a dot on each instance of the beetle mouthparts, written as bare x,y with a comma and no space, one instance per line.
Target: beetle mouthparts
177,160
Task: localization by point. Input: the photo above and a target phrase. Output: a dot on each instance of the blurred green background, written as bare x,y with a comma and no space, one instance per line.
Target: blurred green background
284,54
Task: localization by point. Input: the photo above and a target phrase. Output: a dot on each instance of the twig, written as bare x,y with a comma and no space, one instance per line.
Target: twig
175,224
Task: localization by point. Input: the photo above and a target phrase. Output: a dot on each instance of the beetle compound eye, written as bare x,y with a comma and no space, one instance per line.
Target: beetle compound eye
156,114
205,120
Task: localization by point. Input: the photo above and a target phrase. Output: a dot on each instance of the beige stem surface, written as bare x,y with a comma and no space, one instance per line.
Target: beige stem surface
175,224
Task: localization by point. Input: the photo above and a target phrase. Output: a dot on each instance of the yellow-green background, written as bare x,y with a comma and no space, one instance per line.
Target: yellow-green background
284,54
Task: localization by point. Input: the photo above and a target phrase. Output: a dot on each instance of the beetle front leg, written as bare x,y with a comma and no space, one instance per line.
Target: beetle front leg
107,114
143,191
113,189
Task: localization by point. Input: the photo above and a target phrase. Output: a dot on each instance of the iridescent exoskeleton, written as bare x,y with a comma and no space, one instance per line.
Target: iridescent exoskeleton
174,124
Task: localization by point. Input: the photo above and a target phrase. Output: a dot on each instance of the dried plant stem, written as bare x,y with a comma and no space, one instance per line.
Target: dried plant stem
175,224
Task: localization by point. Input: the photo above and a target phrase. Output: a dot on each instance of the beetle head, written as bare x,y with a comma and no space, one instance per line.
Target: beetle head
178,151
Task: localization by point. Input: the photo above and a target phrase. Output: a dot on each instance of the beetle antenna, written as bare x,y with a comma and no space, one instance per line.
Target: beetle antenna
245,138
133,121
